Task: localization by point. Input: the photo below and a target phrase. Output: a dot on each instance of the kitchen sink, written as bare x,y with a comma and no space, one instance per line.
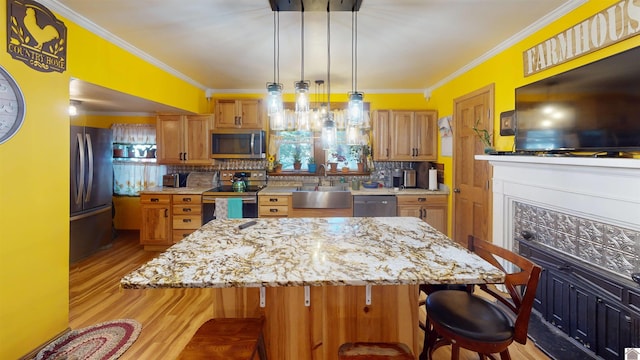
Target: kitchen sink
322,197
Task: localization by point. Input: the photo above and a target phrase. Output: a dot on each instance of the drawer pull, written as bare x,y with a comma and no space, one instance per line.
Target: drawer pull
155,199
273,210
422,199
186,199
273,199
186,220
186,209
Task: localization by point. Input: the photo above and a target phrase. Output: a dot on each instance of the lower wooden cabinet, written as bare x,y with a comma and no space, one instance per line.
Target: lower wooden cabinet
430,208
156,225
273,206
167,219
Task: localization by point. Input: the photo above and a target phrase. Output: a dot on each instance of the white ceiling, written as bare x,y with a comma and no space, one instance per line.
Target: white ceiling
227,45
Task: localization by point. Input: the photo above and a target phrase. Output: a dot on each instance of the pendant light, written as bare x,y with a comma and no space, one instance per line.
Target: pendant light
302,86
329,131
356,105
275,108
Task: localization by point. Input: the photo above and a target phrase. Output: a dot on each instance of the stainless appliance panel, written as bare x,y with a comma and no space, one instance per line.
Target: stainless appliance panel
238,144
374,205
90,191
409,178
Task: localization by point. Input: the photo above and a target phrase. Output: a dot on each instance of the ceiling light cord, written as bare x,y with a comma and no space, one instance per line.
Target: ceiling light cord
328,59
353,77
278,46
302,44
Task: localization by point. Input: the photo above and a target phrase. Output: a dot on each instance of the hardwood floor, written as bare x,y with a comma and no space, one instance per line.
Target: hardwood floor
169,317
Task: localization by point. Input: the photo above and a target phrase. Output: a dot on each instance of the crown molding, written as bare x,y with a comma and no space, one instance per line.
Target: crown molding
512,41
87,24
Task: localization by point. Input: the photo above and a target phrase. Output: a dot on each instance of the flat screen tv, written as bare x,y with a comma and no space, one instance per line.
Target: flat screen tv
592,108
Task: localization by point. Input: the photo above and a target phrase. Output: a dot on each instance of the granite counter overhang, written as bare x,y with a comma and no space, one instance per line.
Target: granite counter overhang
287,190
315,252
160,190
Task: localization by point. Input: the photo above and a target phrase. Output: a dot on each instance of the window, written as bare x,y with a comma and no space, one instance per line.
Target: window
294,145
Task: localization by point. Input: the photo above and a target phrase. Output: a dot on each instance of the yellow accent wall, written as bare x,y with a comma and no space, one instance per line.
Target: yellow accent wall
505,70
34,181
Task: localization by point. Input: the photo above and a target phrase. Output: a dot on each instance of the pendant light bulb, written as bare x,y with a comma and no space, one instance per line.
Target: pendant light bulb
302,96
356,108
274,98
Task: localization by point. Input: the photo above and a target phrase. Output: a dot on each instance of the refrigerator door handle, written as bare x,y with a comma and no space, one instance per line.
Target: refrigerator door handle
90,169
80,172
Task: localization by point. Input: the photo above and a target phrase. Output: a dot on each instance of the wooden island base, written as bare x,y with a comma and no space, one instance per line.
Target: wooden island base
335,315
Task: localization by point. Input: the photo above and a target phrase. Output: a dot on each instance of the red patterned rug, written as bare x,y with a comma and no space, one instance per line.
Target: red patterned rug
104,341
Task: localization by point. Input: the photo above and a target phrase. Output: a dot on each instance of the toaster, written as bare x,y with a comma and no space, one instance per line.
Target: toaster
175,180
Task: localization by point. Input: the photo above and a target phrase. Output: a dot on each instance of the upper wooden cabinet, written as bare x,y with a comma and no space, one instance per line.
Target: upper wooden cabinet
404,135
238,113
183,139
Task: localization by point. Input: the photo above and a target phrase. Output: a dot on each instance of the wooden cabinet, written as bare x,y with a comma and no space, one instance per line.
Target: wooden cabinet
155,227
167,219
404,135
183,139
430,208
186,214
238,113
273,206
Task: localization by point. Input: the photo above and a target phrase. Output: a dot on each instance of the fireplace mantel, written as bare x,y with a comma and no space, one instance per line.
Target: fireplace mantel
602,189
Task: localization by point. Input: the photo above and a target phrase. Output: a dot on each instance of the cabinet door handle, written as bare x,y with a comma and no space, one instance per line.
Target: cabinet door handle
387,152
166,212
185,156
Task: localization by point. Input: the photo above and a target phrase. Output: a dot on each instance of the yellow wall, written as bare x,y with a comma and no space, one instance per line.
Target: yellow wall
34,181
505,70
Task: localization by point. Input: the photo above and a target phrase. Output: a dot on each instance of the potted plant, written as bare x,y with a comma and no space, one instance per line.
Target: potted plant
485,137
297,161
277,166
311,163
356,155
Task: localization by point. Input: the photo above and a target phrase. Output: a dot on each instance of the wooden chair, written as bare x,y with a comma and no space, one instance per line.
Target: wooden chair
227,339
470,321
374,351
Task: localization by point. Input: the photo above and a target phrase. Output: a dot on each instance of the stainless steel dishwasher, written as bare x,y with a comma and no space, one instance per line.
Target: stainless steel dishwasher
374,205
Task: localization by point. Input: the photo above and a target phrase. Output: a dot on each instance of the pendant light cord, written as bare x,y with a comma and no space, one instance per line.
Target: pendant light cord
353,81
302,44
328,60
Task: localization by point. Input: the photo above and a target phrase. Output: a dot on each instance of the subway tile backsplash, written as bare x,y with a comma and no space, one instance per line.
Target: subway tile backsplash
610,247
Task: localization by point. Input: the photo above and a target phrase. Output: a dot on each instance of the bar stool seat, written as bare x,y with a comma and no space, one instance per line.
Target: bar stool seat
374,351
227,339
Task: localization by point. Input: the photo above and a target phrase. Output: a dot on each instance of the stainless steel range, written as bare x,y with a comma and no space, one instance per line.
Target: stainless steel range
232,184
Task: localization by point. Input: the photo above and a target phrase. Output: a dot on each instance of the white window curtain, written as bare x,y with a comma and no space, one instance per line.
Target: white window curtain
130,178
142,134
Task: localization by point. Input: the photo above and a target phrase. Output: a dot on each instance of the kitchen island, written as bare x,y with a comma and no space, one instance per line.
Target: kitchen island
294,271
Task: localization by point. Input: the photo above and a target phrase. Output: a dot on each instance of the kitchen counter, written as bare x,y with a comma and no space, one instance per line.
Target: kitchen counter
287,190
292,271
175,191
313,251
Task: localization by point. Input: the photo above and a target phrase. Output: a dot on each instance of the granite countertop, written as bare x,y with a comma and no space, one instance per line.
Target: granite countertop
287,190
175,191
313,251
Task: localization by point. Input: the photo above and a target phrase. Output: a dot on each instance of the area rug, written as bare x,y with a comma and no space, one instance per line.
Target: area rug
104,341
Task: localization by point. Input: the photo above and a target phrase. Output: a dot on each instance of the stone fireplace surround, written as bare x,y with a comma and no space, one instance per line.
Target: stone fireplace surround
587,208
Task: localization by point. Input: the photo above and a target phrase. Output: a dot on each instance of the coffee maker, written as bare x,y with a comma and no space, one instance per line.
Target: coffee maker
396,178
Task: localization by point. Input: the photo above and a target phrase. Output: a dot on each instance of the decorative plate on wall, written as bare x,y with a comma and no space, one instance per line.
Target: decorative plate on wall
12,106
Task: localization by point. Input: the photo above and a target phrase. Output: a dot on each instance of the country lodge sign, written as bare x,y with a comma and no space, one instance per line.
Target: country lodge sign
614,24
35,36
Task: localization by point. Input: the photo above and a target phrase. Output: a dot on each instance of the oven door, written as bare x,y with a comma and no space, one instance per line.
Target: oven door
249,206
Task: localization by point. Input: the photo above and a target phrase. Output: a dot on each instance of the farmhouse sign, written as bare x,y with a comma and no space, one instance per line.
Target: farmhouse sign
35,36
609,26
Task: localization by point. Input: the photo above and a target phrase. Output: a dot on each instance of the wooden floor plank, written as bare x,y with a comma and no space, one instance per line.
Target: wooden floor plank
169,317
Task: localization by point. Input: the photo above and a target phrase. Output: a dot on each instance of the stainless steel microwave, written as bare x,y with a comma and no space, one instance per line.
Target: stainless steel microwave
238,144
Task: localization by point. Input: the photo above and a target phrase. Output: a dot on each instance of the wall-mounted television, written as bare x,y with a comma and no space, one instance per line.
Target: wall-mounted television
592,108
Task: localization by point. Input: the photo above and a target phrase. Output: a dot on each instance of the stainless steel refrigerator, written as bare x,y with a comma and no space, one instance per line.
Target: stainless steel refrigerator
90,191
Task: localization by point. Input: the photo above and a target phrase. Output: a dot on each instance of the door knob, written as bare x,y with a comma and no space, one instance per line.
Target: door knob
456,190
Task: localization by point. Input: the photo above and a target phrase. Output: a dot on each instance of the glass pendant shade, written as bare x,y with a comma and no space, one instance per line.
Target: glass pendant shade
353,135
356,108
274,98
277,121
329,133
302,96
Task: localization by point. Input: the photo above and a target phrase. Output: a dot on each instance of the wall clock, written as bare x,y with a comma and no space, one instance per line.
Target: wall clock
12,106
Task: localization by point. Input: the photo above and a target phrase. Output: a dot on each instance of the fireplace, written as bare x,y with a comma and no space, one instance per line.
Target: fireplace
579,218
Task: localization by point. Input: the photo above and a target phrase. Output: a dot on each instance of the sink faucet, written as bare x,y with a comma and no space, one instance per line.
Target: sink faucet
324,167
